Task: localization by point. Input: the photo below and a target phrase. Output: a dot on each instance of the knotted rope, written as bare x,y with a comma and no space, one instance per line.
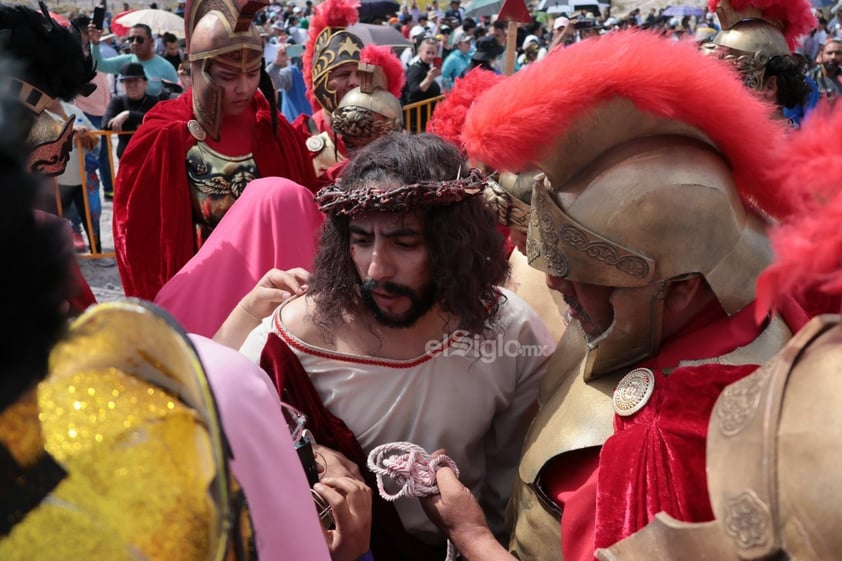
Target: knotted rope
411,467
408,465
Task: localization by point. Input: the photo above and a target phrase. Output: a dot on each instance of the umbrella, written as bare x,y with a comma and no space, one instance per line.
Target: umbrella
60,19
684,11
571,6
481,8
371,10
160,21
371,34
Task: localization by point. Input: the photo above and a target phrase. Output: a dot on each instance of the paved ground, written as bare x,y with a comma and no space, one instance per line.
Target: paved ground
102,273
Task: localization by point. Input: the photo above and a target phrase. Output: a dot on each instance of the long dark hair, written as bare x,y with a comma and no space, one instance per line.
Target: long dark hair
466,250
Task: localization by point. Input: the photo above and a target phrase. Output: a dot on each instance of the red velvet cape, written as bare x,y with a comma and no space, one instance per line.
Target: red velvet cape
655,460
153,222
389,539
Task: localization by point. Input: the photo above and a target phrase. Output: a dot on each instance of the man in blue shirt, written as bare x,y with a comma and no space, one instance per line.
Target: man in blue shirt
456,62
157,68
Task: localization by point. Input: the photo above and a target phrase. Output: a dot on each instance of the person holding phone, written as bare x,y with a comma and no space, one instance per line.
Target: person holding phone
422,80
157,68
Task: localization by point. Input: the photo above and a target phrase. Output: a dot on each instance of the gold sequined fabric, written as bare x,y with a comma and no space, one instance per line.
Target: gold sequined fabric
71,523
127,411
143,453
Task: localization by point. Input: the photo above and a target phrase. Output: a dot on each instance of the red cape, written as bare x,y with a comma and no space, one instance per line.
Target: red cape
153,222
655,461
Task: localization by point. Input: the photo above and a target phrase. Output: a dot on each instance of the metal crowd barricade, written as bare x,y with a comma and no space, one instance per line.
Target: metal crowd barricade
80,153
417,109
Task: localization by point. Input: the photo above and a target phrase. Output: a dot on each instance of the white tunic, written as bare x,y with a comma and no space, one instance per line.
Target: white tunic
473,396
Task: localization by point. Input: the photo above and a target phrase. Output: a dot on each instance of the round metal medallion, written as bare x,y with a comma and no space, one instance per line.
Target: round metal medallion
315,143
196,130
633,391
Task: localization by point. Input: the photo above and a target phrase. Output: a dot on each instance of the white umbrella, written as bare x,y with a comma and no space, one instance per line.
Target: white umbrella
160,21
571,6
481,8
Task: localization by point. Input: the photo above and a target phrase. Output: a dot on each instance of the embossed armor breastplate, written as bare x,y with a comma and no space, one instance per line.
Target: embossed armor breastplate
216,181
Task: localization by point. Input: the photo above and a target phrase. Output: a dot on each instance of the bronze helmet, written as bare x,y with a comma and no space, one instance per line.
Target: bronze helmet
368,111
333,48
752,35
219,31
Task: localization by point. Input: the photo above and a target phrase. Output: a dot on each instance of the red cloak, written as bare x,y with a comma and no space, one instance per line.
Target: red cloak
153,222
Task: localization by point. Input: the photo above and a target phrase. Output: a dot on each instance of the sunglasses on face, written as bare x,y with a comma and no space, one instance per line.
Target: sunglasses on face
135,38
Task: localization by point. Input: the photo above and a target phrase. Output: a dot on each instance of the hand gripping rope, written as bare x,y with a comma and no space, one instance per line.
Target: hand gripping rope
408,465
411,467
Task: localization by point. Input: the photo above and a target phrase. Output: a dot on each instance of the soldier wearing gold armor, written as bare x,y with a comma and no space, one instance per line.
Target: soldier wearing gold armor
372,109
194,155
773,441
757,37
331,70
354,90
648,219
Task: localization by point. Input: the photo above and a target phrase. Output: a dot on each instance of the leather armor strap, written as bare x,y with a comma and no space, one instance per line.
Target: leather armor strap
22,490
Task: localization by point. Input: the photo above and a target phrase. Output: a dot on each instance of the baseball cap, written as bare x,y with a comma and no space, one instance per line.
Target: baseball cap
560,22
132,70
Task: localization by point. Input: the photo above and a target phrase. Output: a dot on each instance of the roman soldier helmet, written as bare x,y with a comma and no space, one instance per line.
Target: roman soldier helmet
220,31
329,45
613,206
772,448
51,65
754,31
373,109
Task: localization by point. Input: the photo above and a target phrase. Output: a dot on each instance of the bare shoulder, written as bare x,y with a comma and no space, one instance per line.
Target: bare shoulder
297,318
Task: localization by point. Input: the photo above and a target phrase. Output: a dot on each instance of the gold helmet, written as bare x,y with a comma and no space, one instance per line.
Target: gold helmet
329,46
613,208
754,31
127,409
372,109
220,31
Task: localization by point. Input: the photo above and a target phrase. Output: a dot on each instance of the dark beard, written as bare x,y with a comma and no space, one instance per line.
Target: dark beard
420,302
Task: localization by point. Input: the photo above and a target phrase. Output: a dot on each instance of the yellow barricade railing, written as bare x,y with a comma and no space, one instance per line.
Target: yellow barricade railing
412,113
80,153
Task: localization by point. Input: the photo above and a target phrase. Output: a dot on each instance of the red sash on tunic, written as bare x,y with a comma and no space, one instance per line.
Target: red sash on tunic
389,539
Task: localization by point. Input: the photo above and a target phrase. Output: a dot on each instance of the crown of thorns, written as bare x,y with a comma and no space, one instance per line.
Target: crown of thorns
400,199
